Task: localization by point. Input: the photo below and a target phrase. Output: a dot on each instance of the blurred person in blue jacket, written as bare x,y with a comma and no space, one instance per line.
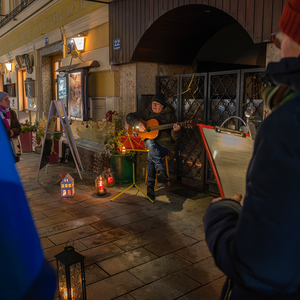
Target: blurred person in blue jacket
25,273
258,245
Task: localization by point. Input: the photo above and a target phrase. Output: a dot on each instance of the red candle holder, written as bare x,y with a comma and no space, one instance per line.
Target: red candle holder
101,185
110,178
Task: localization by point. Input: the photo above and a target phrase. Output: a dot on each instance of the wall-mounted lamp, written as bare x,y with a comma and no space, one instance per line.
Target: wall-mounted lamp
79,42
8,66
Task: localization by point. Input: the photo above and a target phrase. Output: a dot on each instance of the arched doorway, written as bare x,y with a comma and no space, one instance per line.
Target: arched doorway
199,33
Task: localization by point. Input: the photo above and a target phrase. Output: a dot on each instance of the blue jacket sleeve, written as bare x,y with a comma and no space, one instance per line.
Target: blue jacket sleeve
220,221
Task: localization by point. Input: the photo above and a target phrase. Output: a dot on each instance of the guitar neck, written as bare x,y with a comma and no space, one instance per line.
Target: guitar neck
163,127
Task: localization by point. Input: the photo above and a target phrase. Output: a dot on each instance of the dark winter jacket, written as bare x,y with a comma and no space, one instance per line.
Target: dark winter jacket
258,245
166,138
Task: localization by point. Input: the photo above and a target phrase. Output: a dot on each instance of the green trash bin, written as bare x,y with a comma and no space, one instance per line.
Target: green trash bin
121,165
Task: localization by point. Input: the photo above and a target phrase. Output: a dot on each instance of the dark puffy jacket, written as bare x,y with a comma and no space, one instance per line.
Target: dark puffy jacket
258,245
166,138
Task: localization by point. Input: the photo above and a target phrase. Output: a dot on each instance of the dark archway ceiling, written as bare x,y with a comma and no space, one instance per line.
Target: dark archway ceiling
177,36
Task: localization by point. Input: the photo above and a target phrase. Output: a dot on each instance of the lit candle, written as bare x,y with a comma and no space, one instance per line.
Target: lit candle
65,294
100,185
123,150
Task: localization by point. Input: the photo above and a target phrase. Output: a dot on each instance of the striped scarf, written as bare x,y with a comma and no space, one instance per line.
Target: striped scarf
6,120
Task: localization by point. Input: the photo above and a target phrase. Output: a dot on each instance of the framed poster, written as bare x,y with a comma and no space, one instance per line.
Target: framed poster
10,89
77,100
29,88
62,90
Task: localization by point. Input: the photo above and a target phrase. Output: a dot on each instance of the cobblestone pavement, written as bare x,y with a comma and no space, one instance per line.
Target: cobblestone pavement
134,249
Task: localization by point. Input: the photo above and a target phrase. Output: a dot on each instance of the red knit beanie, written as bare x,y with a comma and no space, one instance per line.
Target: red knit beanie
290,20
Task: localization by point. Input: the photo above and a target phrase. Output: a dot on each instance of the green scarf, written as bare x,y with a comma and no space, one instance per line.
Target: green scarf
276,95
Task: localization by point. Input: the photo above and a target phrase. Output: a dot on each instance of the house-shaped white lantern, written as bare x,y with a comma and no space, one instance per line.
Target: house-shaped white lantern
67,186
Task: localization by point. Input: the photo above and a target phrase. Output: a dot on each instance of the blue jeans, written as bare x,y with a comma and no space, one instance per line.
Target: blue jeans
154,160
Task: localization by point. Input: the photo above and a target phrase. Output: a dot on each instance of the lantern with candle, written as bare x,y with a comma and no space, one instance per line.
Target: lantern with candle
110,178
70,274
101,185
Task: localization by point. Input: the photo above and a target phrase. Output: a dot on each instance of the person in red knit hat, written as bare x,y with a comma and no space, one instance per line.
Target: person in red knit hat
257,245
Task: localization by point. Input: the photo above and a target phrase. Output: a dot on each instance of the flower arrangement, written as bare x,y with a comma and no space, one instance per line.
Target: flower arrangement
26,127
113,142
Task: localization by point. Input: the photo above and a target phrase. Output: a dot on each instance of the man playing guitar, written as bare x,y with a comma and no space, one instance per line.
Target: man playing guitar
162,144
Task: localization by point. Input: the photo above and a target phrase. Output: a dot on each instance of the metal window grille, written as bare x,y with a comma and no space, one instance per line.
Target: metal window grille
11,16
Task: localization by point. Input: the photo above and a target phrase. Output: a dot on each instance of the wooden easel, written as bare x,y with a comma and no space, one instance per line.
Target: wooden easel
57,110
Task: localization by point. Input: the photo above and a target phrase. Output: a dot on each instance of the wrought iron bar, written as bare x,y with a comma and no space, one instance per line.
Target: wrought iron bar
11,16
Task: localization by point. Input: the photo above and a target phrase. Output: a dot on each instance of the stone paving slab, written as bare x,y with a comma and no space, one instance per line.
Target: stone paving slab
113,287
66,226
134,249
104,237
175,242
159,268
74,234
195,252
127,260
45,221
167,288
210,291
204,271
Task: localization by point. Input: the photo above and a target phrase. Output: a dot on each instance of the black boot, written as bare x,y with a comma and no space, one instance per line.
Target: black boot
151,193
162,177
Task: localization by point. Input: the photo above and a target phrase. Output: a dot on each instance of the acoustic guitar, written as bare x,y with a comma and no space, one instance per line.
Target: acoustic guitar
152,128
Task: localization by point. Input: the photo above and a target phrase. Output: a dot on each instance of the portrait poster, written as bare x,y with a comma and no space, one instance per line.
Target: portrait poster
75,101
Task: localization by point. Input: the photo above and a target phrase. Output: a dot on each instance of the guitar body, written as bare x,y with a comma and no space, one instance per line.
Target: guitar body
148,134
153,128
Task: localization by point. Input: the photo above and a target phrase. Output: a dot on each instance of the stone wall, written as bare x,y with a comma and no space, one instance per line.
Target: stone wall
45,82
46,85
273,54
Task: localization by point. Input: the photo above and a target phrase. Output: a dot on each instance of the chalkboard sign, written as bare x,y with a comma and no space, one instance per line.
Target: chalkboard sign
57,110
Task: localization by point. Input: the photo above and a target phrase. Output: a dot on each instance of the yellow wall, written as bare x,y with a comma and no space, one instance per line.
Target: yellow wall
59,15
98,37
103,84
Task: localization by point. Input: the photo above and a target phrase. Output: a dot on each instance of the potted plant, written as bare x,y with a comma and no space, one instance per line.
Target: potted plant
26,136
120,162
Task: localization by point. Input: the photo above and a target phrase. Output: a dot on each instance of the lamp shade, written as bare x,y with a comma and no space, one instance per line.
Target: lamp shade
8,66
79,42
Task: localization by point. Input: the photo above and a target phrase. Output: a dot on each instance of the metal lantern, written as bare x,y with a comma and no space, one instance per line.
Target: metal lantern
70,274
110,178
101,185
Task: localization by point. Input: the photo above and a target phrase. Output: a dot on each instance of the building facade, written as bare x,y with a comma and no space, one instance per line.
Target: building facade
37,40
134,48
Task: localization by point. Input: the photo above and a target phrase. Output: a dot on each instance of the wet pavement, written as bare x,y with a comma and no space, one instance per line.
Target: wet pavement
134,249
